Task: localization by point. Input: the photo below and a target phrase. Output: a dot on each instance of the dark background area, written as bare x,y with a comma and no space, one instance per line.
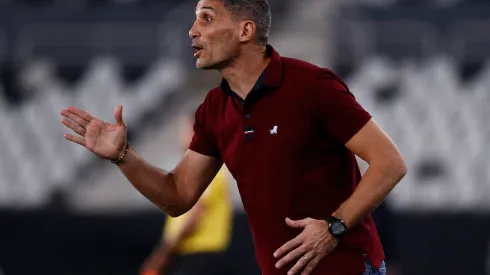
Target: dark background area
47,237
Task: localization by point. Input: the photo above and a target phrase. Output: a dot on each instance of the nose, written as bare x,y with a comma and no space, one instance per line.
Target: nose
193,33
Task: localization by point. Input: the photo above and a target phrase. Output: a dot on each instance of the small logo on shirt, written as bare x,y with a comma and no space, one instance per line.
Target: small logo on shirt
273,131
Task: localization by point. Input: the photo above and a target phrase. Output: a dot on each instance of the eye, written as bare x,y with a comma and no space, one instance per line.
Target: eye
207,18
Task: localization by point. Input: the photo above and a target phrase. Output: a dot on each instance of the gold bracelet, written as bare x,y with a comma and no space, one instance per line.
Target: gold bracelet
121,157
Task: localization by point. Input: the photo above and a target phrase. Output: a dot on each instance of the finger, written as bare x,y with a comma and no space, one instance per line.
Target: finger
297,223
118,115
75,127
81,113
311,265
301,263
288,246
75,118
291,256
78,140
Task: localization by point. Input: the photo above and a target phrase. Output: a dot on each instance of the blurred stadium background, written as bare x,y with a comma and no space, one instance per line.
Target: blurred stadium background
422,68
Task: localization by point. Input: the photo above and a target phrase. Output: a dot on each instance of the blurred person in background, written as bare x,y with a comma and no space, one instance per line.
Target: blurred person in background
288,131
195,242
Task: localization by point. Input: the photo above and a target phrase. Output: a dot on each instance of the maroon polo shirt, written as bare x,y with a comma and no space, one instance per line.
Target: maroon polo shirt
285,146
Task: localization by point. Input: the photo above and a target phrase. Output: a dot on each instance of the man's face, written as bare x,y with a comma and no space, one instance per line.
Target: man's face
215,36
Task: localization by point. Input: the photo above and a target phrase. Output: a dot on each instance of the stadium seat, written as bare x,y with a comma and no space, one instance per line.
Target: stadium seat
35,156
439,122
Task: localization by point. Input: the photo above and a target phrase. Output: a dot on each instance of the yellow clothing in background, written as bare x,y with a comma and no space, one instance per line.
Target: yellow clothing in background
213,231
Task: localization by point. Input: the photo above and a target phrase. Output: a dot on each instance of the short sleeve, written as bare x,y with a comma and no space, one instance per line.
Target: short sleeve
337,108
203,141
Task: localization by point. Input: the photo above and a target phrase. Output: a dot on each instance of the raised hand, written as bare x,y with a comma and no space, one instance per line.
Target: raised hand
104,139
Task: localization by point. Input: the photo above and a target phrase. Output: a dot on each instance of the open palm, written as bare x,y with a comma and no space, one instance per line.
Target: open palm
104,139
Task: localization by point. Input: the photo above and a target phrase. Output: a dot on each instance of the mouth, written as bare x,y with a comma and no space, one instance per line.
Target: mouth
197,50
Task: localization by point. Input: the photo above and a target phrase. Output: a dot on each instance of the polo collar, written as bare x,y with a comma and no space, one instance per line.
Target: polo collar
271,77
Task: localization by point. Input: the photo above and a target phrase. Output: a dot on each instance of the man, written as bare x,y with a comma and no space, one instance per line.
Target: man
307,205
195,242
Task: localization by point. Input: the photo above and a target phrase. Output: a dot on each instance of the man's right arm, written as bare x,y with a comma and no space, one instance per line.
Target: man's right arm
174,192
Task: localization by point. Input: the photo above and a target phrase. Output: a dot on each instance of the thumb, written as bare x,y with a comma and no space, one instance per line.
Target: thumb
118,115
296,223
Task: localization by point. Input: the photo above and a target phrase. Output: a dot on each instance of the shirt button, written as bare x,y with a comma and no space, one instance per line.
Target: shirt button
247,116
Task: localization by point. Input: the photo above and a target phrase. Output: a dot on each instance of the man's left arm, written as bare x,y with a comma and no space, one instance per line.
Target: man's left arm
349,123
386,169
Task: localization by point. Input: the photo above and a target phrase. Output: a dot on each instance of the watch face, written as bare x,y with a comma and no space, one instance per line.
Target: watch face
337,228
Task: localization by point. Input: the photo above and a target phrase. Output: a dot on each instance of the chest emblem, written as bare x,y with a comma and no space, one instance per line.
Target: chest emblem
273,131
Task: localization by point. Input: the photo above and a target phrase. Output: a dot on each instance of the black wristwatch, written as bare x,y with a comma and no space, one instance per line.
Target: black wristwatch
336,227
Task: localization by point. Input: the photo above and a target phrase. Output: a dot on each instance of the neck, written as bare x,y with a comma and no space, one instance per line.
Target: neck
244,71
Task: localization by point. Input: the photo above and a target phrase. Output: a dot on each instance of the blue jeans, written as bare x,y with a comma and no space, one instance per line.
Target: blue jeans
370,270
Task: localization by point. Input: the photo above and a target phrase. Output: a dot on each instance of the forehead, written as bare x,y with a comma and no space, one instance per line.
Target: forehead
216,5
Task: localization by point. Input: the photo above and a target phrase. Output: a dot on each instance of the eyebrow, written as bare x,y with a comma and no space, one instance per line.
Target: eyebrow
207,8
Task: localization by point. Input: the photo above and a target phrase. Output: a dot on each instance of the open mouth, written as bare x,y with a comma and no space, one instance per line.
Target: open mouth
197,50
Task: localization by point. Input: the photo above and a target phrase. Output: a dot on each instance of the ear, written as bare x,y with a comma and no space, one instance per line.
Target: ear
247,30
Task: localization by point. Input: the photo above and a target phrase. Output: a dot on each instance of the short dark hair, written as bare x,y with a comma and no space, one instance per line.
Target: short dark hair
258,11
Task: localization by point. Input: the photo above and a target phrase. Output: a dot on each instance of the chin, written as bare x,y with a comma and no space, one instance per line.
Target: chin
206,66
203,65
